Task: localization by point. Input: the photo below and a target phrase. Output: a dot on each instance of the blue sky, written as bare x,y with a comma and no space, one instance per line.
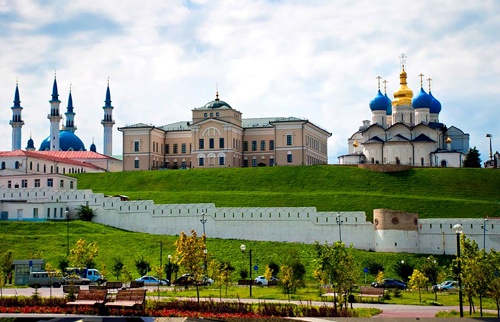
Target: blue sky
317,60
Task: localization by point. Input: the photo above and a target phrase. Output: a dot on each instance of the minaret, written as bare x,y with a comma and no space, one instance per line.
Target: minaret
55,118
16,122
108,123
70,115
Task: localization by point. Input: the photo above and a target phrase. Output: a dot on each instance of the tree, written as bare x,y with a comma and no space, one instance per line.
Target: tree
85,213
159,274
268,273
117,267
472,159
337,265
82,256
190,254
430,268
286,280
493,260
6,264
127,276
403,269
417,281
142,265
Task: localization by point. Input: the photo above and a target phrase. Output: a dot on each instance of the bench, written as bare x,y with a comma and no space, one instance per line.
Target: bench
90,297
136,284
372,292
97,287
129,298
114,285
71,289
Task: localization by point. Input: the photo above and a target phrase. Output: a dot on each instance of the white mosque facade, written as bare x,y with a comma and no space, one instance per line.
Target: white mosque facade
406,131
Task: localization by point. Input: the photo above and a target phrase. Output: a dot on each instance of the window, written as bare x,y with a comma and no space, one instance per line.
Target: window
61,184
254,145
245,146
245,163
167,148
221,160
9,184
288,139
183,148
217,114
48,212
289,157
202,144
271,162
262,145
136,163
183,165
201,161
254,162
3,165
50,182
211,114
24,183
271,145
205,114
16,165
136,146
37,183
31,165
71,184
211,143
44,168
35,212
221,143
176,148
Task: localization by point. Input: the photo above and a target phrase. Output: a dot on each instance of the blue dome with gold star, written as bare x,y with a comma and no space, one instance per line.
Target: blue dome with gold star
68,141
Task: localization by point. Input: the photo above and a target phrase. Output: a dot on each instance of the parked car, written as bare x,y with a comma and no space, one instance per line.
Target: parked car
39,279
261,280
188,279
151,280
390,283
76,280
446,286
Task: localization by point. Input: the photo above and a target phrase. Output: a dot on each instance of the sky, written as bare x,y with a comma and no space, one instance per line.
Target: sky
312,59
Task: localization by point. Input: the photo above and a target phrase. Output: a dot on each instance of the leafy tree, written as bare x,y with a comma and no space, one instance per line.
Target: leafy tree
275,268
62,264
85,212
337,265
6,264
403,269
82,256
2,282
417,281
190,252
117,267
374,268
127,275
142,265
493,260
472,159
159,274
286,280
430,268
379,277
52,272
243,274
268,273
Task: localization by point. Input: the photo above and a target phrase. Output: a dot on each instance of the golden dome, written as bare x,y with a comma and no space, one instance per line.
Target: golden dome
355,144
448,140
403,95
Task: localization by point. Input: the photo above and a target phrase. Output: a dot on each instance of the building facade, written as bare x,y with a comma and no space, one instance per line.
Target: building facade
406,131
217,137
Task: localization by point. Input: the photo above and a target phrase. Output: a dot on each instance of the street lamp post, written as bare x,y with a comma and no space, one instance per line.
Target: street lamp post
339,222
243,248
169,270
67,234
205,252
161,254
483,227
459,231
203,221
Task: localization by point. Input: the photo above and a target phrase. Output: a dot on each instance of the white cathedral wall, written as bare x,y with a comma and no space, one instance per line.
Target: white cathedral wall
373,151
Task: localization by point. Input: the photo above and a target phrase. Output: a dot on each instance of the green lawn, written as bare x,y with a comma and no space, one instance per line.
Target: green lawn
431,192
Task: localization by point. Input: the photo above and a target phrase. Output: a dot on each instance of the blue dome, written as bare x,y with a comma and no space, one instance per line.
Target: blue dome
379,103
31,144
435,106
68,141
93,148
389,108
423,100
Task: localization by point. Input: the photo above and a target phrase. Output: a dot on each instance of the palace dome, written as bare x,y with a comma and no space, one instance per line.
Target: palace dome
68,141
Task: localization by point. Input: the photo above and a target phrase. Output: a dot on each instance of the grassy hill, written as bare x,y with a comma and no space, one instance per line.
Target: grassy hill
48,241
431,192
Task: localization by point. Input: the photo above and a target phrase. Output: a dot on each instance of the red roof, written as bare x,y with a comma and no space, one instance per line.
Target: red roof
59,156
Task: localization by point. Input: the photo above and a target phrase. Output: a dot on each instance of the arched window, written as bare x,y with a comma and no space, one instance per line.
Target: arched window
3,165
51,169
398,161
31,165
422,161
444,163
38,167
44,168
16,165
373,160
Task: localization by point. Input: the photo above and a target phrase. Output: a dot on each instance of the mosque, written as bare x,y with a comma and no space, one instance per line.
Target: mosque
61,139
406,131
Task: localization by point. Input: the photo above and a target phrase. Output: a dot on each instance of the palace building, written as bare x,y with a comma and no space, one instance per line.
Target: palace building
406,131
217,136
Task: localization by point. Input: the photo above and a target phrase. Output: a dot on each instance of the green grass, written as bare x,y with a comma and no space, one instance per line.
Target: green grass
48,239
431,192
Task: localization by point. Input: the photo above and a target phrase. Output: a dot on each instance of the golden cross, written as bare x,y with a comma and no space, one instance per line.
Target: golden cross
402,60
429,79
385,85
378,79
421,79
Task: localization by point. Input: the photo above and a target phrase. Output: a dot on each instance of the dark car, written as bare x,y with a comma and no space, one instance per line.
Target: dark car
390,283
184,280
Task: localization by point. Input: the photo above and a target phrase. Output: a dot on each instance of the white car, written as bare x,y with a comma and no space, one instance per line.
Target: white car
261,280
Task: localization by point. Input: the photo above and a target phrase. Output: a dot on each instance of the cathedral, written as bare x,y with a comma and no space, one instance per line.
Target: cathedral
406,131
61,139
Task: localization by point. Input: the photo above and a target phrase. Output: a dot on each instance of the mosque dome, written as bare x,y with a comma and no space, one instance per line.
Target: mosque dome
435,105
423,100
93,148
68,141
379,102
403,95
389,107
31,144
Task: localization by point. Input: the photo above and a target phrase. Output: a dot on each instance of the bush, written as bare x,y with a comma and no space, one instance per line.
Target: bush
374,268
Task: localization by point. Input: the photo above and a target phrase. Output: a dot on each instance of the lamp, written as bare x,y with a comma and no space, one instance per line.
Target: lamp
67,234
459,231
243,248
339,222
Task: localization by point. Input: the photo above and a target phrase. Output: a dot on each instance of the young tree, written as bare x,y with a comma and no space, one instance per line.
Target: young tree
190,252
286,280
417,281
430,268
6,264
127,275
159,273
268,273
85,213
82,256
493,260
142,265
117,267
379,277
472,159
